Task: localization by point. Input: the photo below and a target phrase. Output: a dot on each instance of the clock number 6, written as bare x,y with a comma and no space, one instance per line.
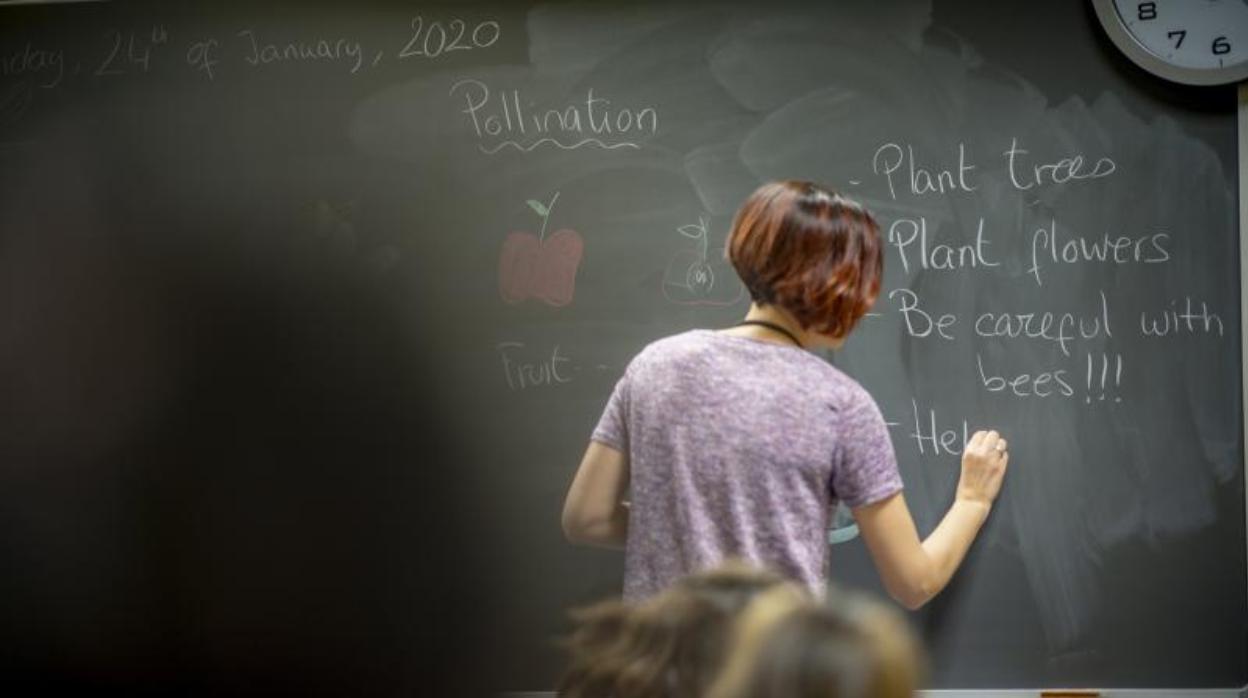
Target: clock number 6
1146,10
1221,46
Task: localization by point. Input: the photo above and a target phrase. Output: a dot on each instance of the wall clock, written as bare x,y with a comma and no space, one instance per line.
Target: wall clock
1194,42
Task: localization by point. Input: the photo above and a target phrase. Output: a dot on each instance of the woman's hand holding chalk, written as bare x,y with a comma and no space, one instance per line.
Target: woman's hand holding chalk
983,467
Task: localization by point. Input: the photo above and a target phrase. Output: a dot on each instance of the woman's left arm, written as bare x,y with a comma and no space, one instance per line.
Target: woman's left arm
595,512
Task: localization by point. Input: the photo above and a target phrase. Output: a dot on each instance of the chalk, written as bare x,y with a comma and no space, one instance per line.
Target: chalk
1070,693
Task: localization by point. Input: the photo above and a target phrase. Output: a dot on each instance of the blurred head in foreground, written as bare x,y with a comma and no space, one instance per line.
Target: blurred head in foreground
672,644
846,647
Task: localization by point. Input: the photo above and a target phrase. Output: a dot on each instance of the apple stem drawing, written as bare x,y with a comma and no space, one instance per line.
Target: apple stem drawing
543,210
531,266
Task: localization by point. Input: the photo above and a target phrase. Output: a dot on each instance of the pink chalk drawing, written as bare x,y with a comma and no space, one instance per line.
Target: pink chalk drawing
541,267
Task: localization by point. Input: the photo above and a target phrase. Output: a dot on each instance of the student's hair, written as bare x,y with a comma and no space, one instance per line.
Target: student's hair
810,251
846,647
671,645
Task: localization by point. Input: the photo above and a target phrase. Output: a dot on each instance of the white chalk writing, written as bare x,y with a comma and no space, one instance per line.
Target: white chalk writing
904,233
507,119
1026,174
1121,249
1188,318
438,40
523,373
46,66
920,180
261,52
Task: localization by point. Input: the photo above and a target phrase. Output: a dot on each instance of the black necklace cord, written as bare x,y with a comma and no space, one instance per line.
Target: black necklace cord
774,328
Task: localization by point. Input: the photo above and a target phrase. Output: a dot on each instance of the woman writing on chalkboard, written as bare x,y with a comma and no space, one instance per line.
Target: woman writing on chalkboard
739,442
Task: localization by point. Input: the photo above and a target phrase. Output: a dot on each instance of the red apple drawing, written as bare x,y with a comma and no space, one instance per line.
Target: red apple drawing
538,266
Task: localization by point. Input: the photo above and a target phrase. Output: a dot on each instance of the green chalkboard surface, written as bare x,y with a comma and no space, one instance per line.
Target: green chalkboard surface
307,312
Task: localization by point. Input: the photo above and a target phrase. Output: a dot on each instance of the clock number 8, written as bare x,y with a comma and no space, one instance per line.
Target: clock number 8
1221,46
1146,10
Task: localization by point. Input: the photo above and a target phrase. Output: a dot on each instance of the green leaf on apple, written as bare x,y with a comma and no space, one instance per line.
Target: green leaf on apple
539,207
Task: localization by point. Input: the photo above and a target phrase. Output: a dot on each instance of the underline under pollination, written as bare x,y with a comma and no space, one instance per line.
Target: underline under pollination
505,119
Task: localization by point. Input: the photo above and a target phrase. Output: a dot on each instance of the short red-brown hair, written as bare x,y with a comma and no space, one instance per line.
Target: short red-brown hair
810,251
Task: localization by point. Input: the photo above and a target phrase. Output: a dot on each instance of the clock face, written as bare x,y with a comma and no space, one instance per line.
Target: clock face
1201,42
1201,34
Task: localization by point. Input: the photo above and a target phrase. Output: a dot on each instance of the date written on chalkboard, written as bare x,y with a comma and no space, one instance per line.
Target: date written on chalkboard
122,52
132,51
435,39
145,48
45,66
426,41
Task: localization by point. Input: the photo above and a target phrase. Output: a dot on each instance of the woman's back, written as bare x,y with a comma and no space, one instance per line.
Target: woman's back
738,448
741,443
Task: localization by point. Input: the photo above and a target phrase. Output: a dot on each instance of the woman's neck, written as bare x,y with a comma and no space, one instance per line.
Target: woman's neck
771,315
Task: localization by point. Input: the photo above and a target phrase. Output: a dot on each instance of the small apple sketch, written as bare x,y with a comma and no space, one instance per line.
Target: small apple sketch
691,277
538,266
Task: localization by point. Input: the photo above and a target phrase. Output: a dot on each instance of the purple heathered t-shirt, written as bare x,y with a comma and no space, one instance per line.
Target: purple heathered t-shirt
740,448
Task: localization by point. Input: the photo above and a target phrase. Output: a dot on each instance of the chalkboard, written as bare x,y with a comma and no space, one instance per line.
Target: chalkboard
308,313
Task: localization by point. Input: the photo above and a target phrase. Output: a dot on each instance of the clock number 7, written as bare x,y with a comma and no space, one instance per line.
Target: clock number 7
1182,34
1146,10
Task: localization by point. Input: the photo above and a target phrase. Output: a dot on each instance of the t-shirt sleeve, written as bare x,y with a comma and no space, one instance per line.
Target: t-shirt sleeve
612,429
866,471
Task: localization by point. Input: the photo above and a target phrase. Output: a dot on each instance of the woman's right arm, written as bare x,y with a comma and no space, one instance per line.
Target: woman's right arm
914,571
594,512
